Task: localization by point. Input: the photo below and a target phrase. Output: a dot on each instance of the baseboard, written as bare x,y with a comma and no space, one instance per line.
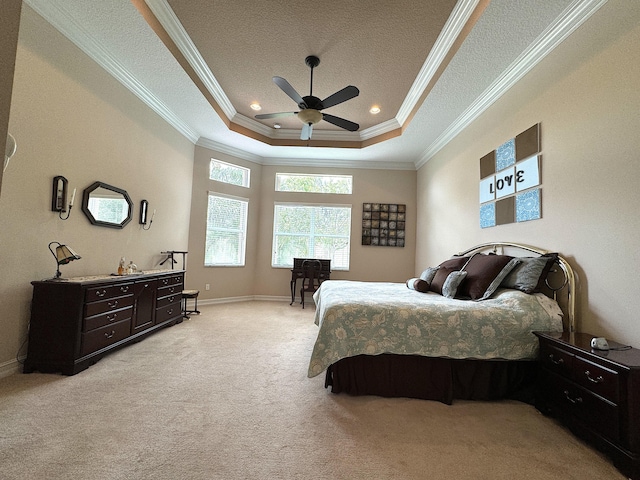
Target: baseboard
10,367
247,298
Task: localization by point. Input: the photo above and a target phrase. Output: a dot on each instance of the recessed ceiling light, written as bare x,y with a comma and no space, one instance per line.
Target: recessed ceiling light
255,106
374,110
277,125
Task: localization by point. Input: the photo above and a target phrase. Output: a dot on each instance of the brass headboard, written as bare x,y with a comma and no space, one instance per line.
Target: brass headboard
563,294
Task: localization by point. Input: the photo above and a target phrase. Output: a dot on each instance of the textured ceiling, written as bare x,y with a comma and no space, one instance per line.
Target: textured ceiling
352,40
199,63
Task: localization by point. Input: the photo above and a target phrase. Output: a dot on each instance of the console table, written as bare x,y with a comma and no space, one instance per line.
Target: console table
595,393
76,321
297,272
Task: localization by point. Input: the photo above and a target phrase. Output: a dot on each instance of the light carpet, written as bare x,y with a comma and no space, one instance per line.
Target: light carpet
225,396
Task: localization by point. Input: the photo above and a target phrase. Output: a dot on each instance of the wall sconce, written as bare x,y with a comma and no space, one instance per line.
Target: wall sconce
144,209
59,197
10,150
63,255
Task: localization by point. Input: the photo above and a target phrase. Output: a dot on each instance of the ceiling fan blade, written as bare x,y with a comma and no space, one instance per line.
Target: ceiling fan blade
341,122
307,129
263,116
347,93
289,90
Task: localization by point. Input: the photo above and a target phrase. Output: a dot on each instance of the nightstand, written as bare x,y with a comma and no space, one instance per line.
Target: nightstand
594,393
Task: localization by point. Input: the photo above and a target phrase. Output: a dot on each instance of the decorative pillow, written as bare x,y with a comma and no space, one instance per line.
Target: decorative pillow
441,276
453,281
428,274
418,284
482,271
493,286
530,275
456,263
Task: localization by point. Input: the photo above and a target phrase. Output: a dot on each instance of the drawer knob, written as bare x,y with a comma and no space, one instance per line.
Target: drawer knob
113,304
597,379
575,401
124,288
111,318
101,293
560,361
109,335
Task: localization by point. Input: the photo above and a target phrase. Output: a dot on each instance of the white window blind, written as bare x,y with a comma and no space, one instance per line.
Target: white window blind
226,230
311,231
229,173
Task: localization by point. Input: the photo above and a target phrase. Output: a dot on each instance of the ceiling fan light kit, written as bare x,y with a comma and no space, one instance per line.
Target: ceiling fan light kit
309,115
310,106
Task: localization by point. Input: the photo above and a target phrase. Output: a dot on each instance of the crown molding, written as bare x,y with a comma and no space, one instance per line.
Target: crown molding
450,32
571,18
168,19
331,163
226,149
62,21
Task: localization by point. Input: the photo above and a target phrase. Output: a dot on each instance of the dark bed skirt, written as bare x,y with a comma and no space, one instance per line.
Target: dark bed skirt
441,379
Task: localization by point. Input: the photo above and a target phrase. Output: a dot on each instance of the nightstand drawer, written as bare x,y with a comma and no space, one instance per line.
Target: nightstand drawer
593,411
598,379
557,360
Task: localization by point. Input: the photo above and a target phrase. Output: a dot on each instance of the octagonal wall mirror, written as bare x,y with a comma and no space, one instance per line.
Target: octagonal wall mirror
106,205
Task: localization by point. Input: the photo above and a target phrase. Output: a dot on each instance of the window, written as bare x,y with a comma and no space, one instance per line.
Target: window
228,173
294,182
226,231
311,231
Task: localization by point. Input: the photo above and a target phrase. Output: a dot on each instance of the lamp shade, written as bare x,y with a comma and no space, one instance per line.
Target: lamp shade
63,255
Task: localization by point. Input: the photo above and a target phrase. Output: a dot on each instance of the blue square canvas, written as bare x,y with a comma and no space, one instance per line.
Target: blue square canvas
528,205
506,154
488,215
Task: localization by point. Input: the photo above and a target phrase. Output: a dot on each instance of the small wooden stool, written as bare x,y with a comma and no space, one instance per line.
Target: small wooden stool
186,295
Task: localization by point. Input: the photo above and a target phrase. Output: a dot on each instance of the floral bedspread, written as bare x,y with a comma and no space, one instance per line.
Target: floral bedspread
375,317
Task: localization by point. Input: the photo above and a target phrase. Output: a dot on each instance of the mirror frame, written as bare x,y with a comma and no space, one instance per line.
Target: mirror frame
89,215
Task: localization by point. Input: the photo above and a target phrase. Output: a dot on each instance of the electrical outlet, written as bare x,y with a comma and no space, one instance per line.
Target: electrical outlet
207,286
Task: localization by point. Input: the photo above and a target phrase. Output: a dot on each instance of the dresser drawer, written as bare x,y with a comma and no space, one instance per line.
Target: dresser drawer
97,321
108,305
168,300
593,411
598,379
174,289
94,294
104,336
167,312
172,280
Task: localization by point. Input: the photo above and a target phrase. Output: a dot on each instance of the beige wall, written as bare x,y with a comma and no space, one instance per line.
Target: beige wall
225,282
71,118
258,278
9,26
586,97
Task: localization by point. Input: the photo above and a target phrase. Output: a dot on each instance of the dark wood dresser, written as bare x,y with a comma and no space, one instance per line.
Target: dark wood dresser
595,393
75,322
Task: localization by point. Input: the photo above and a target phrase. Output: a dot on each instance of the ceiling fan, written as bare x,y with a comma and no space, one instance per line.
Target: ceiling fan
310,106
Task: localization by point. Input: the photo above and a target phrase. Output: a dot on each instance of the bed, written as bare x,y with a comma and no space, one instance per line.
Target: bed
462,330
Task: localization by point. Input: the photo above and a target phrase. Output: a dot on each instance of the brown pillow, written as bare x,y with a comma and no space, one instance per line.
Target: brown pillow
481,270
418,285
444,269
